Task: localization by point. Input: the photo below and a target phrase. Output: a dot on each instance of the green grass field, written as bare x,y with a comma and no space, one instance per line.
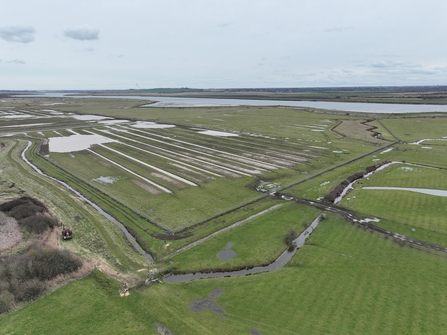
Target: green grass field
256,242
413,214
345,281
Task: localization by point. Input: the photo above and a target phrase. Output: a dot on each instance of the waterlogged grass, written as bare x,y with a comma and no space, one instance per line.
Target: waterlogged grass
256,242
316,187
417,128
125,215
413,214
192,203
218,223
435,156
345,281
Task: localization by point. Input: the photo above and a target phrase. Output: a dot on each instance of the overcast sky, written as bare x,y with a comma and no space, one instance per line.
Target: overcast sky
119,44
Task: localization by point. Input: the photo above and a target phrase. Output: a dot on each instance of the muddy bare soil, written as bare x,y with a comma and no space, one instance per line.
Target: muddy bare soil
162,330
10,234
209,303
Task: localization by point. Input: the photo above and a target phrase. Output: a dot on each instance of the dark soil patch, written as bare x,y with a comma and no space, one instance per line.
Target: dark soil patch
162,330
208,303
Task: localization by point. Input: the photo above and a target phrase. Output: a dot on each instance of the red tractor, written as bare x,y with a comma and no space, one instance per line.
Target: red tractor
67,233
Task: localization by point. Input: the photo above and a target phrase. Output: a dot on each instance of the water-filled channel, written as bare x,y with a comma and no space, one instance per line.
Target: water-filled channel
439,193
282,260
204,102
129,237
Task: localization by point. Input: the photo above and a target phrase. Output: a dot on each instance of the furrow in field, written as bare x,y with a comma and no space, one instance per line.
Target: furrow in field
151,166
215,167
155,154
282,153
131,172
270,166
228,165
231,163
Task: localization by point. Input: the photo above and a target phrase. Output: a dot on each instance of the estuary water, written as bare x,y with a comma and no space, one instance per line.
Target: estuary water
207,102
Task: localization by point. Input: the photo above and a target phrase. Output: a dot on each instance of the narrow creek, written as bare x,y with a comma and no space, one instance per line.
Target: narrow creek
350,186
280,262
129,237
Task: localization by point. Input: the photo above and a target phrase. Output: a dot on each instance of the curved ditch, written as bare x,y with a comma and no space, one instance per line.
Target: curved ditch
129,237
280,262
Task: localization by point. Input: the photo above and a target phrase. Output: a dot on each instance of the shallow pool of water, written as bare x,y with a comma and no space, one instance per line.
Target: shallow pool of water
217,133
227,253
76,142
439,193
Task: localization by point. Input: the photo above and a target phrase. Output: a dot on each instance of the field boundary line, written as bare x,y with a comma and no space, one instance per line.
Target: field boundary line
238,223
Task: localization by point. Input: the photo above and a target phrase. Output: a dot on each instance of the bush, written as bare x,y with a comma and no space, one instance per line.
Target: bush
8,206
46,263
291,235
7,301
25,210
29,290
37,224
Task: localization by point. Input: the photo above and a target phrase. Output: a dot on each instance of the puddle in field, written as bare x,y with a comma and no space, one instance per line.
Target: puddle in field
227,253
209,303
27,125
89,117
16,116
386,150
217,133
151,125
52,111
76,142
110,122
440,193
129,237
105,180
280,262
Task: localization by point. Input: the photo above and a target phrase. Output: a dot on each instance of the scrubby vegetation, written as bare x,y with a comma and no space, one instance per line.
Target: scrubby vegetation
291,235
31,214
23,277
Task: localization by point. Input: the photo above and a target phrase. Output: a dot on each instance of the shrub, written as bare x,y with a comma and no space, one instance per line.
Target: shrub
29,290
291,235
25,210
7,301
38,223
8,206
46,263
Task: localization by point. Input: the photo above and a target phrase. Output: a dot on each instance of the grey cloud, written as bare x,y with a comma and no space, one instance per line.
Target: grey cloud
19,34
337,29
16,61
83,33
408,68
390,66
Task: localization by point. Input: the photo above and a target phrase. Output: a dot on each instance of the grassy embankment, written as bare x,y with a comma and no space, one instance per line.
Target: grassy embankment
96,238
